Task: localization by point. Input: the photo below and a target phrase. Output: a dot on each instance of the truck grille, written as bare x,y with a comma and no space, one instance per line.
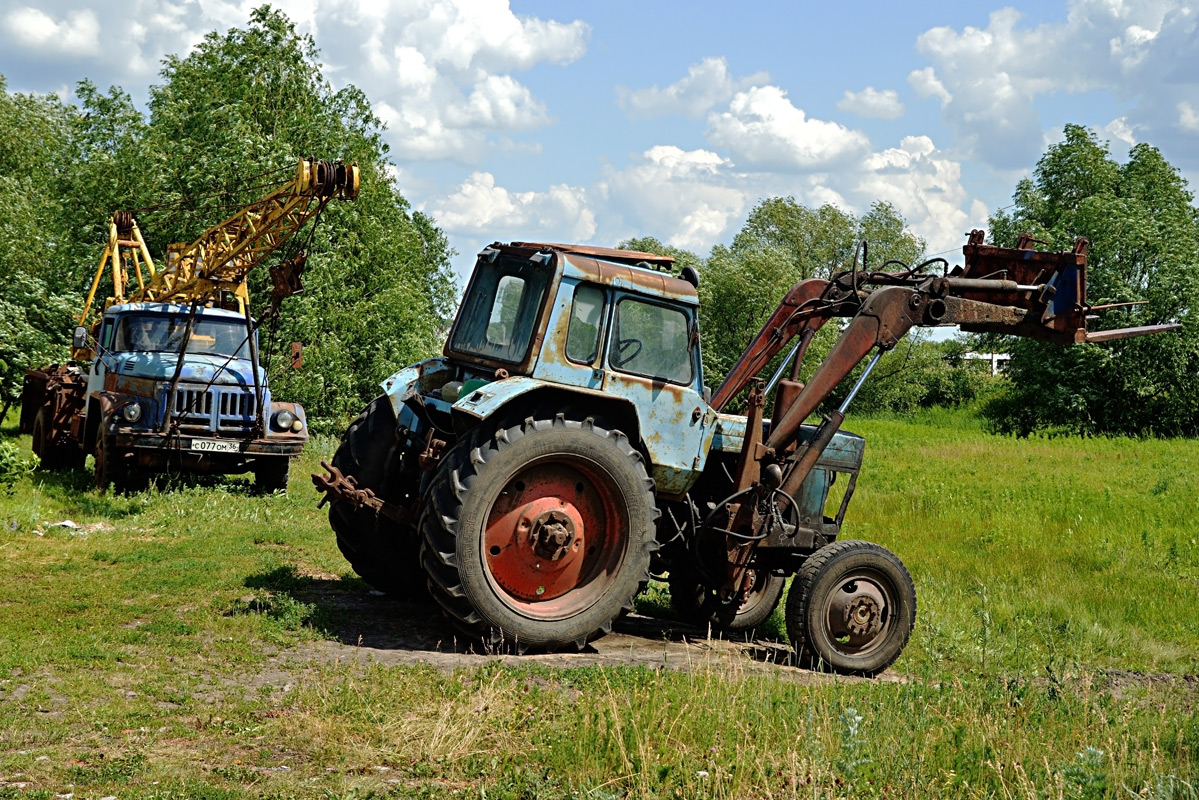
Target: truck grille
216,408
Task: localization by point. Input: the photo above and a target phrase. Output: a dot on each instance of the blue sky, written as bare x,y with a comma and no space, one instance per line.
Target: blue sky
596,122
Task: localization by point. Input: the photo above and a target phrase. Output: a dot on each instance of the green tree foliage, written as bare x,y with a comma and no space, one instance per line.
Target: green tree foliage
35,316
781,244
228,123
1144,234
920,373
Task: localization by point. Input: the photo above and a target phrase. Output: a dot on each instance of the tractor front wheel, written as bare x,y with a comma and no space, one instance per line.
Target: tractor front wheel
539,535
851,608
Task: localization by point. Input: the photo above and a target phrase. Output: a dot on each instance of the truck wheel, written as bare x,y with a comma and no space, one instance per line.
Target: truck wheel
52,456
111,469
852,608
540,535
270,474
383,552
694,602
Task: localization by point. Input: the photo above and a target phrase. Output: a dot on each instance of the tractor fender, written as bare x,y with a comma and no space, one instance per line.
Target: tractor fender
422,377
492,398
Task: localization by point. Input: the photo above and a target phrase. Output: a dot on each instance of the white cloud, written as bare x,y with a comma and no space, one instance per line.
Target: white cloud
1120,129
479,207
499,102
927,84
763,130
444,69
706,85
989,80
687,198
925,186
696,198
34,29
870,102
1188,117
441,73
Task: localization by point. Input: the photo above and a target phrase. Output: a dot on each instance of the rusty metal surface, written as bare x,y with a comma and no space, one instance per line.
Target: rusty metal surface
629,257
629,278
555,536
1129,333
339,488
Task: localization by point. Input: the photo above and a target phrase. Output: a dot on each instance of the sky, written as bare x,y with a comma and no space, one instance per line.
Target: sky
598,122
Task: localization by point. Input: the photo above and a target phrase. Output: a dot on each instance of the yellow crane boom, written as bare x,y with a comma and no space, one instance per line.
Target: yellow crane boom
215,266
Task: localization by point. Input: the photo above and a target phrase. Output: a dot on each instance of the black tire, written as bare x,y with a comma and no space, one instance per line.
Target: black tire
383,552
696,603
271,474
499,499
851,608
51,456
111,469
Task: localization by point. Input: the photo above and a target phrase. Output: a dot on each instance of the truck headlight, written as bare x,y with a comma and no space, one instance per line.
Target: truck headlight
284,420
132,412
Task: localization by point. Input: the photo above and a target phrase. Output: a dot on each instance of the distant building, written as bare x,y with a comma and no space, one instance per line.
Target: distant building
998,360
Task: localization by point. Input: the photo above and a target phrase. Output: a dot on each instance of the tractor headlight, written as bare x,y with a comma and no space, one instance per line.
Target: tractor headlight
132,412
285,419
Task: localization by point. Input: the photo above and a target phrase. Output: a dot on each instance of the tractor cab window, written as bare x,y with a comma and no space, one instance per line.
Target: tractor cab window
499,314
586,314
652,341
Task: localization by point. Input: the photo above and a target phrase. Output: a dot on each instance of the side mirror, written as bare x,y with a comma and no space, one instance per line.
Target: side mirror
79,339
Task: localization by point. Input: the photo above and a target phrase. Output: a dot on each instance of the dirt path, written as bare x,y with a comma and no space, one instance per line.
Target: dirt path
376,628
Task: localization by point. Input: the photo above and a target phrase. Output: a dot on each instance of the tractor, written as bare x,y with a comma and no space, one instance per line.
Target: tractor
564,448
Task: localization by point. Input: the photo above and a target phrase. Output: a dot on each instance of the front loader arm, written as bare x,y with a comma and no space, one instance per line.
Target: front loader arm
1019,292
800,311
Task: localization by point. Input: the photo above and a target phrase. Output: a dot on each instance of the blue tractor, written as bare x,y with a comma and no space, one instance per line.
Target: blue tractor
564,449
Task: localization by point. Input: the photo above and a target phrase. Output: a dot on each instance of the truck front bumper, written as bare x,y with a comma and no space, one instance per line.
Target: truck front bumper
156,451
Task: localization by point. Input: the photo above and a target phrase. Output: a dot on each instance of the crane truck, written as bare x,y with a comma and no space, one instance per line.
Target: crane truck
564,447
168,375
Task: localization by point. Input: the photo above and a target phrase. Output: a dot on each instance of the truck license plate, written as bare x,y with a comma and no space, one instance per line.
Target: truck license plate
214,446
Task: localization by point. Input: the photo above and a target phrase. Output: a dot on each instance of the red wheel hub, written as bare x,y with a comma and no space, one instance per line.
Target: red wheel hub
548,534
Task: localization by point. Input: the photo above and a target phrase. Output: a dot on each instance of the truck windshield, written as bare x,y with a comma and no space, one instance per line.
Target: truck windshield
499,314
162,333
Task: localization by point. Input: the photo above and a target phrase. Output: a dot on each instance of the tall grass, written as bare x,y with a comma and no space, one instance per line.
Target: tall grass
173,645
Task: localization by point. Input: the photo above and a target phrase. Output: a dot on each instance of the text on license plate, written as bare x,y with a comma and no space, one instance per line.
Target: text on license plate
214,446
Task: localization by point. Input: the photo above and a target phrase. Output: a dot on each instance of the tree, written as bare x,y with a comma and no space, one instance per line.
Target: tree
1144,232
229,120
782,243
378,287
35,316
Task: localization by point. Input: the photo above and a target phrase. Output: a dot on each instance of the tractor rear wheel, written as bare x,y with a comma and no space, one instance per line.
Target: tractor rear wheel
696,603
539,536
851,608
383,552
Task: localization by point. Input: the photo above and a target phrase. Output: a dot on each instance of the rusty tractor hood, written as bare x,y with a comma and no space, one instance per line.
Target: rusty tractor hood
197,368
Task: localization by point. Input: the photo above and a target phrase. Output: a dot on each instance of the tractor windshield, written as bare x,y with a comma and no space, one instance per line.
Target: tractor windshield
499,314
162,333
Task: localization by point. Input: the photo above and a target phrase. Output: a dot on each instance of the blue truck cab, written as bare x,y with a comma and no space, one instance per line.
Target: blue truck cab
115,406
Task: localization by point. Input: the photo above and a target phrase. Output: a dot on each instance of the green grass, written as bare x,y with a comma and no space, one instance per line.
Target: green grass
152,651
